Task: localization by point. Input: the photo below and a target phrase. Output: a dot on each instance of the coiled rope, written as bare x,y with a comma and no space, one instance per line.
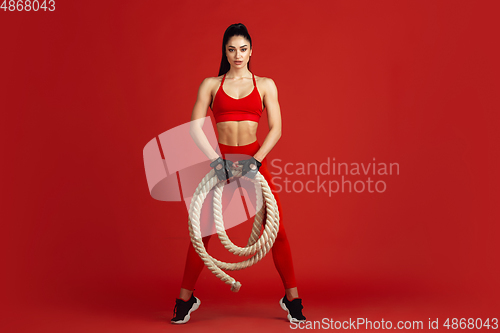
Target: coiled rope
256,246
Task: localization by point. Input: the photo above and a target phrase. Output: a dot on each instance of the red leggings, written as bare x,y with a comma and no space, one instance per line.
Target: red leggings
282,255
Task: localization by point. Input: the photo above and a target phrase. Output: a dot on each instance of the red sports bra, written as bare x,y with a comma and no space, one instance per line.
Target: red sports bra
226,108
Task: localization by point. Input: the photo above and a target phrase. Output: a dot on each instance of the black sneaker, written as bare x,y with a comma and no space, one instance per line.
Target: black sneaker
294,309
183,309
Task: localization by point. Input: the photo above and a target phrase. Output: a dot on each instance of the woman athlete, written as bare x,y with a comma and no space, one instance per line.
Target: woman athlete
237,99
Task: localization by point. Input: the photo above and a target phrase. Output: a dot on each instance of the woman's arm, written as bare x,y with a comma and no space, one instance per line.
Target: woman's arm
273,119
197,119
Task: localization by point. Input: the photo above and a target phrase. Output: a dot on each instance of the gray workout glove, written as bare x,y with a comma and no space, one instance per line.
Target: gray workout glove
248,171
223,173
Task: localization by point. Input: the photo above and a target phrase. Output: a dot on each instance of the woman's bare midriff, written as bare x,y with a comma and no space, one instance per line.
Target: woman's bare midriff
237,133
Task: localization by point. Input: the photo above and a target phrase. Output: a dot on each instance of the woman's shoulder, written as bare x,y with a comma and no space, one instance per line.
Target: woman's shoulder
265,83
212,79
262,79
210,82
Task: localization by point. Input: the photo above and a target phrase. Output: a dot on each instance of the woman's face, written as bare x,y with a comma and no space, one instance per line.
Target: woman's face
238,51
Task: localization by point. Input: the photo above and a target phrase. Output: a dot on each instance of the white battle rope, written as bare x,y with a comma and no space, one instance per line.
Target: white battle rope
256,246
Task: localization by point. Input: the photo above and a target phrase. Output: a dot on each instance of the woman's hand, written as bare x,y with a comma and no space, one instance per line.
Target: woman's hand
250,167
222,168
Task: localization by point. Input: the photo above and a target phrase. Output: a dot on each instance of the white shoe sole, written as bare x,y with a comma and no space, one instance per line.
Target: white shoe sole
289,316
188,316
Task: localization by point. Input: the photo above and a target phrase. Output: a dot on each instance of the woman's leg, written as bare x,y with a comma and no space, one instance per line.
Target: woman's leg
282,255
194,264
192,270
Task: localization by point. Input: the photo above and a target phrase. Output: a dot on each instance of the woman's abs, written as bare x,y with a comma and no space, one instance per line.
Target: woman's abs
237,133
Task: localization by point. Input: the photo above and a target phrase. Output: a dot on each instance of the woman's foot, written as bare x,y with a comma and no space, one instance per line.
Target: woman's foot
294,309
183,309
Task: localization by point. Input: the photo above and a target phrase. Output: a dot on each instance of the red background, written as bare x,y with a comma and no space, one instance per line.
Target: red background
85,248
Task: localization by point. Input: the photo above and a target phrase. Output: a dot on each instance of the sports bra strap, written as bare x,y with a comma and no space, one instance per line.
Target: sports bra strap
223,79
